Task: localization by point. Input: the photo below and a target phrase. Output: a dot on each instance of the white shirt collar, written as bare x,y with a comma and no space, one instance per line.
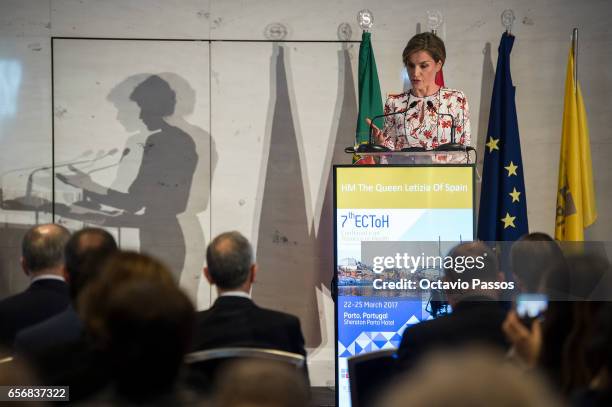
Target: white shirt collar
47,277
236,293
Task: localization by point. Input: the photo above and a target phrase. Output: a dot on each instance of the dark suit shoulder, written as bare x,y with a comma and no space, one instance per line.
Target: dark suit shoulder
478,322
10,303
41,300
281,316
64,327
241,306
465,322
238,321
41,294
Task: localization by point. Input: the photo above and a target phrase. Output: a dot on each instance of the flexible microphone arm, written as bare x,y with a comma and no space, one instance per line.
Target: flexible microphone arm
65,164
453,145
370,147
376,148
84,154
126,151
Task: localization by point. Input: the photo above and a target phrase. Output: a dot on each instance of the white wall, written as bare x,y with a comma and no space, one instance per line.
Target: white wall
240,92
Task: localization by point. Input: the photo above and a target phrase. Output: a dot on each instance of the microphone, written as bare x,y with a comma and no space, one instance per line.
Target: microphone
376,148
412,149
28,196
82,155
453,145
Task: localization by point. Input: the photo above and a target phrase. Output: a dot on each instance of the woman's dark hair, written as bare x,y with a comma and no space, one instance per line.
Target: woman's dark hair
532,256
569,324
428,42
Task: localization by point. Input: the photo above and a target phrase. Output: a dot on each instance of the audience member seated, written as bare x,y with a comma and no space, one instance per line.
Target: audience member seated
532,256
477,314
149,326
43,261
85,252
235,320
598,393
468,378
258,383
84,365
557,345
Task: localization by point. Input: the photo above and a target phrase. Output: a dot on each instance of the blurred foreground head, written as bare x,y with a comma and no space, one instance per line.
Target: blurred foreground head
582,277
136,313
121,269
261,383
472,262
149,326
473,378
85,253
532,257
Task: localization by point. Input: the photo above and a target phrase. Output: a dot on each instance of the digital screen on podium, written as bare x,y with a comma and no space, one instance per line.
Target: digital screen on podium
391,222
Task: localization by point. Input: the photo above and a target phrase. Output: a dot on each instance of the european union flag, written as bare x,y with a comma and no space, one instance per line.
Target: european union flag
503,204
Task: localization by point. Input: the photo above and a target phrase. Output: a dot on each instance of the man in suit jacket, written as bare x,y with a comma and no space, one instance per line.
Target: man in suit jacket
84,253
235,320
477,315
43,261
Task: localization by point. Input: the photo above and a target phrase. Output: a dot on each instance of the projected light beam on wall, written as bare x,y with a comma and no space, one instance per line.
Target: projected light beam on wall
10,79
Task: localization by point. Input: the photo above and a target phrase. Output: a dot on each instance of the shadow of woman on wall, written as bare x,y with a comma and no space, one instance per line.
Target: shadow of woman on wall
153,190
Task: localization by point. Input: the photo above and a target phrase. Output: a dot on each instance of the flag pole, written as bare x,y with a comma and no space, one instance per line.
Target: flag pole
575,52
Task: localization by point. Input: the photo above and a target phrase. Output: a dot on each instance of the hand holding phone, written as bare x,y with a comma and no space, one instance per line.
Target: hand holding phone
530,307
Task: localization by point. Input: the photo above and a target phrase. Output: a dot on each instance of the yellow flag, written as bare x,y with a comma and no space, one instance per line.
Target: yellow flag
576,195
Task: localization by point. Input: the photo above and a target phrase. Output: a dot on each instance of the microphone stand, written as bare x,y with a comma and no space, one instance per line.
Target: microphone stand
370,147
453,145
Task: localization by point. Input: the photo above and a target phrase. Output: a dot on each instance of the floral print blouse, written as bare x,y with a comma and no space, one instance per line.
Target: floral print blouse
420,125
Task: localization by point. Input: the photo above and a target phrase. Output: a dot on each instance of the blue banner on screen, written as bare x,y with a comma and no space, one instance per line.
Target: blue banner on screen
423,205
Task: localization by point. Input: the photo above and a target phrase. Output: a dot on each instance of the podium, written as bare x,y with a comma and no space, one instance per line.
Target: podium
394,220
410,158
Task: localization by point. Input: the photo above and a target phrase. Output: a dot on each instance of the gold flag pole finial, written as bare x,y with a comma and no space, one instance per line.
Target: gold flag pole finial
575,53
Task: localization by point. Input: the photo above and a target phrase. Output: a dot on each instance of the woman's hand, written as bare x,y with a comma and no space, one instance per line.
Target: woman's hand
527,342
377,134
80,179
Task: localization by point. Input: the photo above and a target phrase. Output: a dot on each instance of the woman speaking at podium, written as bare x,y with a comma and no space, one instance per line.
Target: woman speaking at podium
423,117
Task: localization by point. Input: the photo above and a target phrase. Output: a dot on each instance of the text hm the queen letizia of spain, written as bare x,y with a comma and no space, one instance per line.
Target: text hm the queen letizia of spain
416,187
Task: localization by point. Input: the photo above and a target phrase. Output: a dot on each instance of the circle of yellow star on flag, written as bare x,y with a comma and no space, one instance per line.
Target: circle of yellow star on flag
515,195
508,221
511,169
492,144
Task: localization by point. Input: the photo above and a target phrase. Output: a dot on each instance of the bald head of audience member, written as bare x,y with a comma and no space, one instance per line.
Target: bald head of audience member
85,253
42,250
230,264
473,263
